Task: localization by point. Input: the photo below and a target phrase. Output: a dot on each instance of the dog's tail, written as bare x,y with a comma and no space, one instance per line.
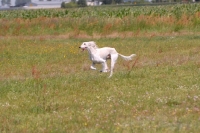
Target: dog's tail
127,58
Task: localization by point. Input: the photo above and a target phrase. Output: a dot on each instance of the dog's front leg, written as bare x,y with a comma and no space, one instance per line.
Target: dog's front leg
92,66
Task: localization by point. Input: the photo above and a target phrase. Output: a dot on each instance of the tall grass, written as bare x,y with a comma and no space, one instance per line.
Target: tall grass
94,26
100,20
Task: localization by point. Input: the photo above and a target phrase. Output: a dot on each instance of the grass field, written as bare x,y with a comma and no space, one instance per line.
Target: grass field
46,84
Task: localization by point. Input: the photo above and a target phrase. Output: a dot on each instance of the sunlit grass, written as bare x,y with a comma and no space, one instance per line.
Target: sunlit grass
46,86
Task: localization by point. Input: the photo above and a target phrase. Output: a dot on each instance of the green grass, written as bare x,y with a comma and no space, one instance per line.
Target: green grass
46,86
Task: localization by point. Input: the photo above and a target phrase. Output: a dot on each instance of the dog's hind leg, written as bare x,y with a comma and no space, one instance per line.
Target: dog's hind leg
113,61
104,67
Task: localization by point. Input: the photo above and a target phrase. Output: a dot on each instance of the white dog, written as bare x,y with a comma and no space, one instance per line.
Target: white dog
100,55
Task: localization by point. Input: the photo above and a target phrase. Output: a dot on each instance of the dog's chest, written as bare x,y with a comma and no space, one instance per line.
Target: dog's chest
96,59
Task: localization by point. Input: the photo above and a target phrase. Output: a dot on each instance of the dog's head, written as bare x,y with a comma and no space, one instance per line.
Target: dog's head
86,45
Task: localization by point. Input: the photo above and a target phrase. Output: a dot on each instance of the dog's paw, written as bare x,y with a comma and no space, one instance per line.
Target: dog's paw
108,70
93,68
104,71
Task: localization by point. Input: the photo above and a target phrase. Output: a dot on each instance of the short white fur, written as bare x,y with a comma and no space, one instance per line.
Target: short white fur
100,55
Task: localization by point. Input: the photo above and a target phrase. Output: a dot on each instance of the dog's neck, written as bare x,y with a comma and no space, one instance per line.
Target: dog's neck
91,50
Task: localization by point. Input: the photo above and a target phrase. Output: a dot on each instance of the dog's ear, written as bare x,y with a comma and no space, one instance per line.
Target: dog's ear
93,44
89,44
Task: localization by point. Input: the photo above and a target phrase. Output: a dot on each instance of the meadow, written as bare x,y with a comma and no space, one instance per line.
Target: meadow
46,84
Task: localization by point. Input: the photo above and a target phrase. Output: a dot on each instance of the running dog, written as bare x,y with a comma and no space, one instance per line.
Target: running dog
100,55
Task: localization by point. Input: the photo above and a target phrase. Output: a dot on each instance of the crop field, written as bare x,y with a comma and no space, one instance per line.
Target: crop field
46,84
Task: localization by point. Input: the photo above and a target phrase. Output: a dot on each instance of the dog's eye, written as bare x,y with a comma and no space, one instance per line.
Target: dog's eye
84,43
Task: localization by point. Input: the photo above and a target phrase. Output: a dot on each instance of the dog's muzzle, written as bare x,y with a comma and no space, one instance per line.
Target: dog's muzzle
82,48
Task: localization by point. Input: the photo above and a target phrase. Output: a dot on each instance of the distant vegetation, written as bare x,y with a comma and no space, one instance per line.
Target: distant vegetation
112,12
101,20
74,3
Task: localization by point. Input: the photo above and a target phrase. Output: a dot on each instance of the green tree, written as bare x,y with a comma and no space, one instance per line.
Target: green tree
118,1
107,2
112,1
82,3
